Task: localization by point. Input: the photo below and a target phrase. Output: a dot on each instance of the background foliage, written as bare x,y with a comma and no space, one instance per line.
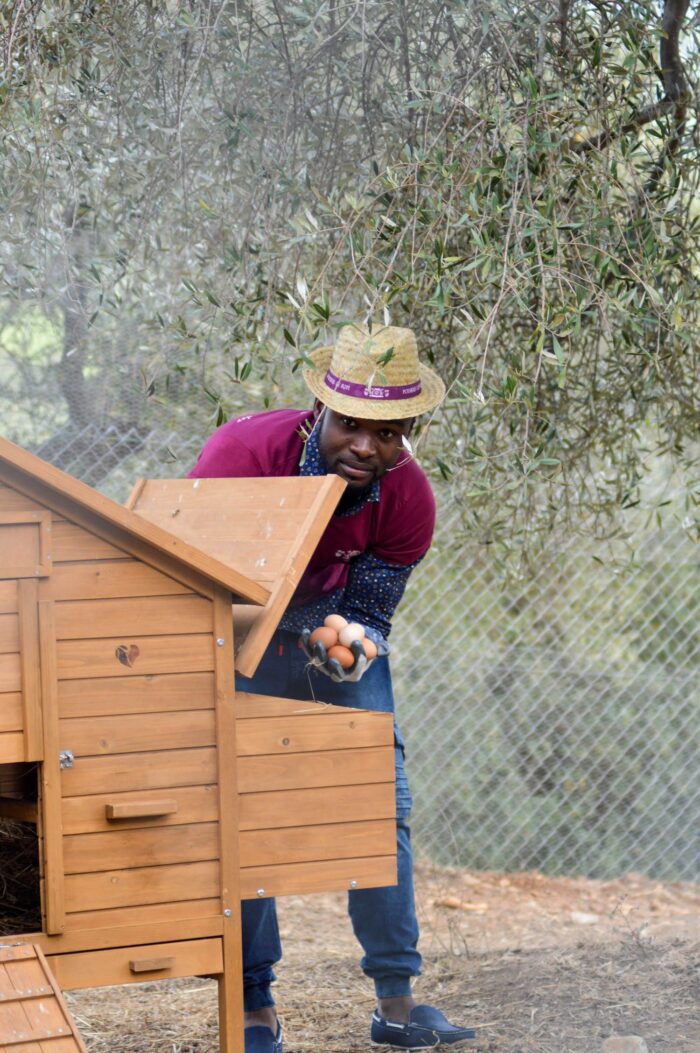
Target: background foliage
193,195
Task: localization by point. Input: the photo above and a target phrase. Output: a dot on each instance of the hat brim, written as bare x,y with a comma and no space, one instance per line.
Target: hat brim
431,395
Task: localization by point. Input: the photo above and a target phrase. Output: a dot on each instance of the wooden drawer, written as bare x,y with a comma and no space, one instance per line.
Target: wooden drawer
124,965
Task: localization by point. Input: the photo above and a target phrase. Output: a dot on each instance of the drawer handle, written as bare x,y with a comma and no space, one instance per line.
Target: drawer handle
138,809
150,965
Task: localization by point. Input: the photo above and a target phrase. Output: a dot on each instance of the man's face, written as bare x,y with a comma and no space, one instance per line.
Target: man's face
358,450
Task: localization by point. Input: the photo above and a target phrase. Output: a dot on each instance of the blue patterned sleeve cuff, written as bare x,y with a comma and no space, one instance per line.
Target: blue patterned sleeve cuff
370,597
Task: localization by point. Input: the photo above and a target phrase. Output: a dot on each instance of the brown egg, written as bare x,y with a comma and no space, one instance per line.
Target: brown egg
335,621
370,648
343,655
325,635
349,633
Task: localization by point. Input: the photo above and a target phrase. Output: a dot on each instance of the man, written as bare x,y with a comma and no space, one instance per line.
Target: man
368,389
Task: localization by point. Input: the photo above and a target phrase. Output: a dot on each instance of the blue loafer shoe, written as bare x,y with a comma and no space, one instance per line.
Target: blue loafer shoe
427,1027
260,1039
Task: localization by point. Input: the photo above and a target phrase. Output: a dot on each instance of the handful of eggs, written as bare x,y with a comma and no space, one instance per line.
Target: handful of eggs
336,634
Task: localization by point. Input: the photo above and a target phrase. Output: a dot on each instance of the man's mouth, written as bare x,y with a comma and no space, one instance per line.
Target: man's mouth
356,472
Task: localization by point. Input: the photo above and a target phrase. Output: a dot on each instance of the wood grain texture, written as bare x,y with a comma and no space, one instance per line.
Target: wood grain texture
194,804
294,771
143,615
302,844
77,659
9,633
153,693
10,673
337,875
133,734
122,849
30,664
146,771
133,926
108,579
11,747
324,731
9,603
142,885
11,712
327,804
71,542
166,961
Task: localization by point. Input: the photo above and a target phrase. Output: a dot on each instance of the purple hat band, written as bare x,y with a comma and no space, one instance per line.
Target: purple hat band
361,391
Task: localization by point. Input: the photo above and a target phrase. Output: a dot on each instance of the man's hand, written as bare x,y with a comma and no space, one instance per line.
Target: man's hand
318,658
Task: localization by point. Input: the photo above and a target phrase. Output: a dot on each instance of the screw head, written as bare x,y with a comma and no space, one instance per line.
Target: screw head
220,642
228,912
261,891
353,883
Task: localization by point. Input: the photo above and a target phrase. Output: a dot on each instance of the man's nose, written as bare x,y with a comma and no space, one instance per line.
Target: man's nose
362,444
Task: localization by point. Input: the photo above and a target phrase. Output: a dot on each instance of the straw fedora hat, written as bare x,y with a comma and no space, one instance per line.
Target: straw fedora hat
375,376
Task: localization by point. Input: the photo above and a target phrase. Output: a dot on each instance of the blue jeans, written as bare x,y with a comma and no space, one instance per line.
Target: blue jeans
383,919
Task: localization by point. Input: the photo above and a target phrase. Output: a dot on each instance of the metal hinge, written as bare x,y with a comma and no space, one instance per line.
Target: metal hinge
66,759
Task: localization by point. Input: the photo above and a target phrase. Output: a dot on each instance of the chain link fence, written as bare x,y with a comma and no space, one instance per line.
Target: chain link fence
552,720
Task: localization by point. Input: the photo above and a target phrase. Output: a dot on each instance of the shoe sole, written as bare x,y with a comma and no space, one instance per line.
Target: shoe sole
388,1045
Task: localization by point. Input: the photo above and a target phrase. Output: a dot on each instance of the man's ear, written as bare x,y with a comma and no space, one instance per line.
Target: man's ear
318,409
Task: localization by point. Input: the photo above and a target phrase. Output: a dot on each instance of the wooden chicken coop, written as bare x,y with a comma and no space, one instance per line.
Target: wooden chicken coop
151,795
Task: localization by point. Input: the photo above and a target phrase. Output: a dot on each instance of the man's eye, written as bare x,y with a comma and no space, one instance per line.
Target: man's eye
349,422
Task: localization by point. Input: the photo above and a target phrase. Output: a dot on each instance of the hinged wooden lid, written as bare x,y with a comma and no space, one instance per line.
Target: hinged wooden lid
267,529
33,1013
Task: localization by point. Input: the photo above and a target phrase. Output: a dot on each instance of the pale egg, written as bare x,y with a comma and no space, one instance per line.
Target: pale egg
335,621
349,633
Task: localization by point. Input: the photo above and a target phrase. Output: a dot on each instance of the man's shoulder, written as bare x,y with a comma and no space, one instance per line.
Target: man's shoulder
407,483
267,443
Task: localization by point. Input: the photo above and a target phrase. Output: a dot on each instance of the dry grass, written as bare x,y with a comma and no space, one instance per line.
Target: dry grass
539,965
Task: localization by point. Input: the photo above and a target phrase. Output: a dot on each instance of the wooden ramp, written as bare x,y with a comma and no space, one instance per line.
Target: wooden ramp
34,1017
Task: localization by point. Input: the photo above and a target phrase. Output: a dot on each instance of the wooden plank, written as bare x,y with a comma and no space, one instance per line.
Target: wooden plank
30,663
108,579
337,875
194,804
250,705
147,615
132,734
14,501
161,500
11,747
125,965
71,542
324,731
10,673
133,926
11,713
302,844
92,853
327,804
9,603
25,544
308,536
50,778
231,1015
134,655
93,511
142,885
147,771
295,771
162,692
9,633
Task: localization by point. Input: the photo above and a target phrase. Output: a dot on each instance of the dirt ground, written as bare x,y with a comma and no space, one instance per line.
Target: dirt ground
538,965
